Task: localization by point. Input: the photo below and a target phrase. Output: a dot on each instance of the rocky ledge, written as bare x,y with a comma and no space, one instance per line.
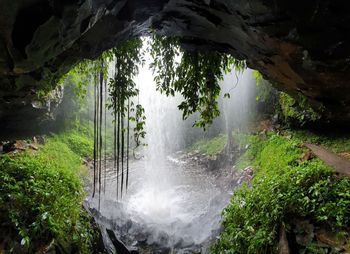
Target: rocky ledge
301,46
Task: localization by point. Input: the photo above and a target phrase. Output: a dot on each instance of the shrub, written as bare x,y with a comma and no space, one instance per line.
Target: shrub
41,199
283,188
78,143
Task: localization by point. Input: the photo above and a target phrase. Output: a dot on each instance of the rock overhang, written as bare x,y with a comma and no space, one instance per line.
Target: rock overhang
300,46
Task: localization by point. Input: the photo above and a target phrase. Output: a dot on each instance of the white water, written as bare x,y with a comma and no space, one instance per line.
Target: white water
172,202
156,200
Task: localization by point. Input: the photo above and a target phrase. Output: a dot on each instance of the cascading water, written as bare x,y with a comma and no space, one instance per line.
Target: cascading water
239,110
172,202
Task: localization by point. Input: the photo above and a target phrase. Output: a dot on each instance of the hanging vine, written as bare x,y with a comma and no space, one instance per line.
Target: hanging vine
122,88
98,69
193,74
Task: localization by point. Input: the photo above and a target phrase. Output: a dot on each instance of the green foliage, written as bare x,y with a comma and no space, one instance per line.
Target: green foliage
128,56
122,88
293,111
81,145
41,198
337,142
284,187
258,77
296,110
82,76
193,74
140,122
211,146
246,159
265,91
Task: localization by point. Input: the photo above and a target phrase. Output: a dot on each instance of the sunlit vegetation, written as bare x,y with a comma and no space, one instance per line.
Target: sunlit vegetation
122,90
81,145
293,110
298,111
41,195
211,146
193,74
284,188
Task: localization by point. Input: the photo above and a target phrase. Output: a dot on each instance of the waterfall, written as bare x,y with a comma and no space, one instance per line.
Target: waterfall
155,197
173,201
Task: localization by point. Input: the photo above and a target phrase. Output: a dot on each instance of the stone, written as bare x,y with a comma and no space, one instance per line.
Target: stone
306,156
300,47
39,139
304,232
331,239
119,246
20,145
34,147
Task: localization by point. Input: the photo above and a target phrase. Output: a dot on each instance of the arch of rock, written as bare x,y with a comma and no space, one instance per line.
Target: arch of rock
301,46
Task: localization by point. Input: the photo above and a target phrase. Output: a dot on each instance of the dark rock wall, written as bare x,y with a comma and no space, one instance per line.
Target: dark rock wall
302,46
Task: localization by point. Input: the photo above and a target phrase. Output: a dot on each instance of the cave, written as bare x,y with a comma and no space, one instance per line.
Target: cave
301,47
269,175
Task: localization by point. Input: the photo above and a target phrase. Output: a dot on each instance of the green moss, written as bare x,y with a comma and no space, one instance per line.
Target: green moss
211,146
41,197
284,187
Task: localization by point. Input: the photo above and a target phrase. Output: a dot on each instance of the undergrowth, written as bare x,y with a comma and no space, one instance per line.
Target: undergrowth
211,146
41,197
336,142
284,187
79,140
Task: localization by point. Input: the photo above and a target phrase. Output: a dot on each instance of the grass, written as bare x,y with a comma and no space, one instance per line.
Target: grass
80,141
211,146
284,187
41,196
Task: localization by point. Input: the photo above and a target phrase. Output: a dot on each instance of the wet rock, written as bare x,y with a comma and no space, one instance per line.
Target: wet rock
304,232
40,139
141,237
163,238
127,226
311,59
119,246
20,145
245,175
185,242
98,244
14,146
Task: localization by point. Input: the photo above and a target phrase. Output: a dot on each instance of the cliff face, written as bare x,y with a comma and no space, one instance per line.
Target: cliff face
301,46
